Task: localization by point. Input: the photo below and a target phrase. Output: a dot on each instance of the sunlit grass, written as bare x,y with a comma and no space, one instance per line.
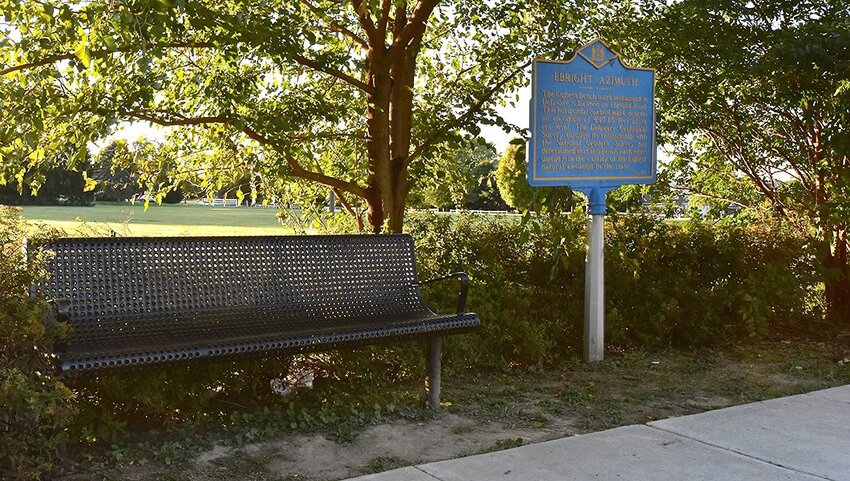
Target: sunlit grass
158,220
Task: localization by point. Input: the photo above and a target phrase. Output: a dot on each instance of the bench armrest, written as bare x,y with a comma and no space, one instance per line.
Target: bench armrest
464,287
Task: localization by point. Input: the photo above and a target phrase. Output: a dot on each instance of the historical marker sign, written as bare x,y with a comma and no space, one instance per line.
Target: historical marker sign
593,129
592,121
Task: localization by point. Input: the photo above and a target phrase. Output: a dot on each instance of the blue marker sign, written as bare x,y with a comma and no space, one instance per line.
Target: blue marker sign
592,122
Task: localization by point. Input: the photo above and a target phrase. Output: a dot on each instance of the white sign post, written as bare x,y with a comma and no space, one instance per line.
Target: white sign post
594,292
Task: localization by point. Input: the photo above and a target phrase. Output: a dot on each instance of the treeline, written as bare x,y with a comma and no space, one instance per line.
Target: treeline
462,177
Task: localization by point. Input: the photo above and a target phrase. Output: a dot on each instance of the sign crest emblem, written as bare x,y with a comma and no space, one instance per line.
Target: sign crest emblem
597,53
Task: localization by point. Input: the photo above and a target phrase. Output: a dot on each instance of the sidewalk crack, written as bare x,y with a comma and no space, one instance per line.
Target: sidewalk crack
427,473
748,456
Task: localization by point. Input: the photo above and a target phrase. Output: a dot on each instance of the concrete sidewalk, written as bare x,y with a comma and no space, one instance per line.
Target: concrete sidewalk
798,438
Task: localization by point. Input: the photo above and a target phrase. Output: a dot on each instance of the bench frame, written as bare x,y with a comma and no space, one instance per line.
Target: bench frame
61,312
434,351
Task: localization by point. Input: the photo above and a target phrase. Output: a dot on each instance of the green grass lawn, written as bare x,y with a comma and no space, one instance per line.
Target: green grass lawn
159,220
169,220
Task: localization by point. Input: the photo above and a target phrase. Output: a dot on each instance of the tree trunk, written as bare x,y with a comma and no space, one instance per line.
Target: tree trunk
390,72
403,71
378,139
375,210
834,237
389,120
837,278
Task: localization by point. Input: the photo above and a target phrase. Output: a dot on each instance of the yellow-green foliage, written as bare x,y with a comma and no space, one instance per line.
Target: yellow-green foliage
35,406
511,177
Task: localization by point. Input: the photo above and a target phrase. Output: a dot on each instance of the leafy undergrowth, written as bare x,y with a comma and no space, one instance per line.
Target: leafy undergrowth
500,409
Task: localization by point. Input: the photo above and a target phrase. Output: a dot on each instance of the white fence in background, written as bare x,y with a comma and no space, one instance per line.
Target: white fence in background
465,211
488,212
235,203
232,203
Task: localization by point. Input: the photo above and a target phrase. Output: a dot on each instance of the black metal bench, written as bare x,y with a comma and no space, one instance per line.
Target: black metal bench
135,302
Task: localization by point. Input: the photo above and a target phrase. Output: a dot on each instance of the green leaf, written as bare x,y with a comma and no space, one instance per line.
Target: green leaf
83,53
90,183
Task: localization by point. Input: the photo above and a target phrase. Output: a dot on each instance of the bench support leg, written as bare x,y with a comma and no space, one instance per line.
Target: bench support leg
433,360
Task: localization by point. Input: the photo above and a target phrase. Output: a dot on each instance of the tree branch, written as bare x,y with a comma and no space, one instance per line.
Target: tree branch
325,135
434,137
180,120
698,193
782,152
299,171
127,48
335,26
414,28
384,20
332,71
350,209
745,167
365,20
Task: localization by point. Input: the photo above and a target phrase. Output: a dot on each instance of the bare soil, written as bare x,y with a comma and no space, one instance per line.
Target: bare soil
314,457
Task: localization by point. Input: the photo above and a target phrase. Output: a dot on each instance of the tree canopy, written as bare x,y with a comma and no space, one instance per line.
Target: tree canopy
511,176
347,95
755,96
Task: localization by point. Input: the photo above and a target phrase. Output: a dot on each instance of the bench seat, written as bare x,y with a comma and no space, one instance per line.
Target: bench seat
79,357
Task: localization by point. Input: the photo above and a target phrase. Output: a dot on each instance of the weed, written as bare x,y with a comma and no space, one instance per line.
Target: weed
502,444
385,463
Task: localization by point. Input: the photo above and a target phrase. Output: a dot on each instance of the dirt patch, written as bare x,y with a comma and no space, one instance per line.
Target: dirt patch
314,457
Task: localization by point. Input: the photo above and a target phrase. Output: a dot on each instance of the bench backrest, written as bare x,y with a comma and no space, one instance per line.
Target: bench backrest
144,293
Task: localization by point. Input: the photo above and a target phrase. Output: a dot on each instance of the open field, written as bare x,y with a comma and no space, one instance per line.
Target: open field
158,220
172,219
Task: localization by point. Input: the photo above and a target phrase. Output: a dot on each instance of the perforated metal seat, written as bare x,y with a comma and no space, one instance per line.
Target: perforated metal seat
146,301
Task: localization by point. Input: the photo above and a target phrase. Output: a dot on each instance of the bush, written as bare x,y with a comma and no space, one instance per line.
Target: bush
35,407
511,177
667,285
522,284
702,284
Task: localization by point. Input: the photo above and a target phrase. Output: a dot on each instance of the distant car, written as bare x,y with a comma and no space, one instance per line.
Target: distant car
145,196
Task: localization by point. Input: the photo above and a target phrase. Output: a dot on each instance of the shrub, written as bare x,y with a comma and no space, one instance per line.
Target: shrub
702,284
35,407
522,279
511,176
667,285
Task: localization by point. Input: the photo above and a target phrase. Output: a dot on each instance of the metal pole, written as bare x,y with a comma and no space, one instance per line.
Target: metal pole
434,364
594,291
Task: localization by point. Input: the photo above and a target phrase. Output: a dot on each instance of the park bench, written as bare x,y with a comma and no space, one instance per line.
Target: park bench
138,302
